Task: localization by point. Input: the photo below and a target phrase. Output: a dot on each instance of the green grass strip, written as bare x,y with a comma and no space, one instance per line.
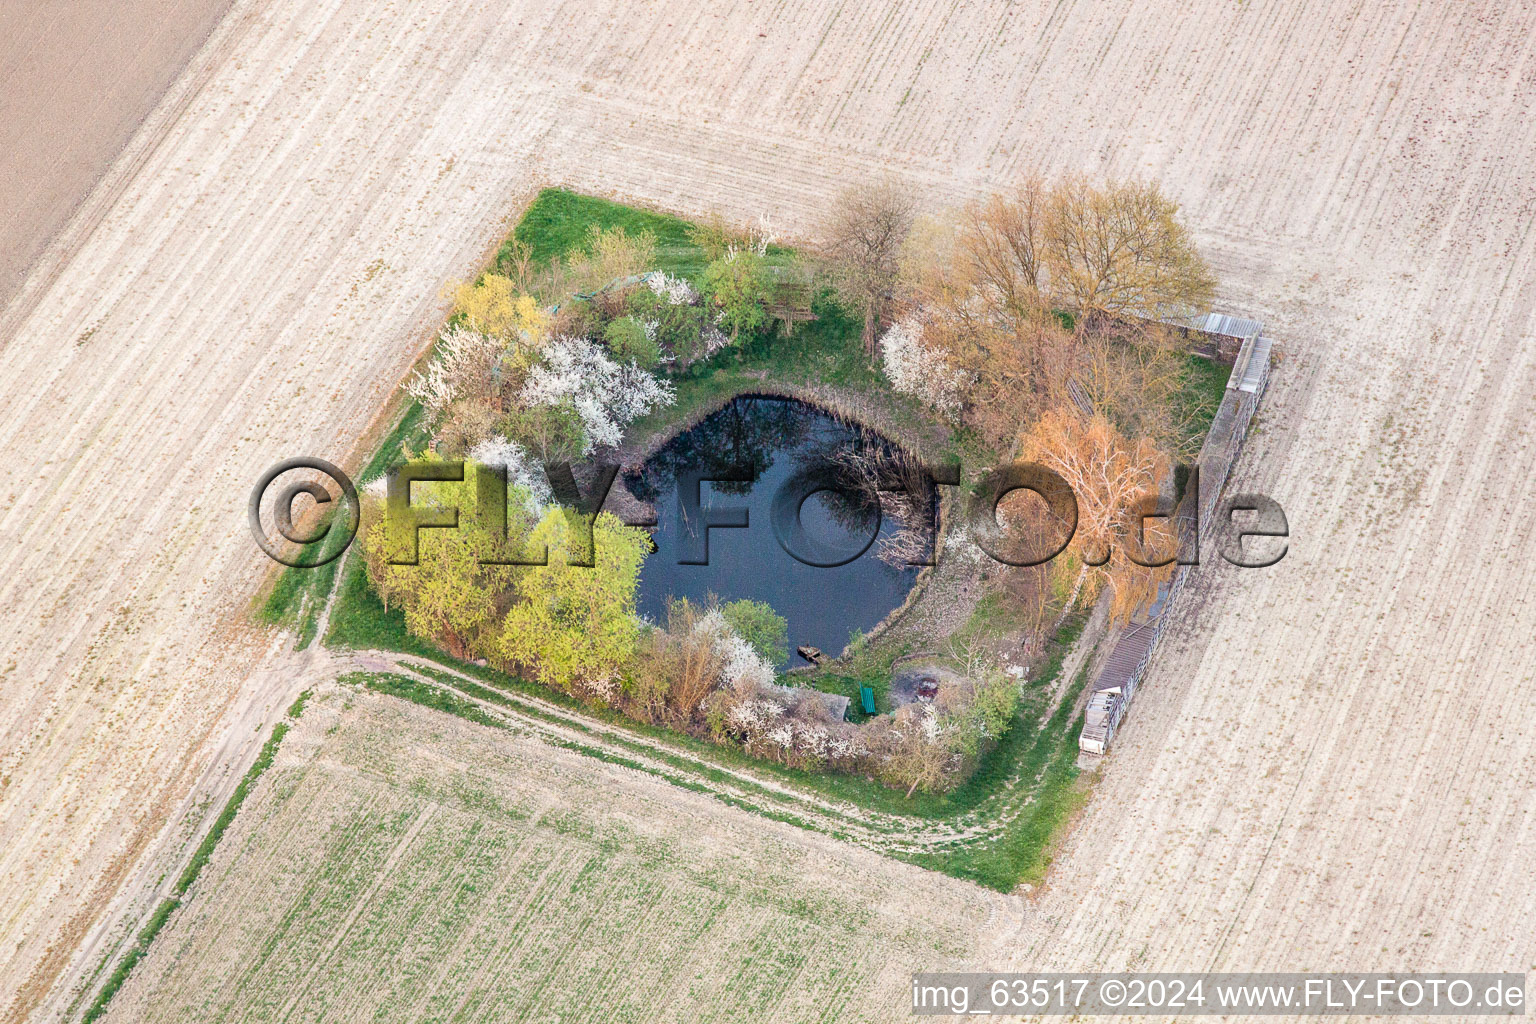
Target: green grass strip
425,694
299,594
131,958
1022,853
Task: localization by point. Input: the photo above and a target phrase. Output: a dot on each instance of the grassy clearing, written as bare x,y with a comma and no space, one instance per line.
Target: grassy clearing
865,663
559,223
1205,384
994,616
996,623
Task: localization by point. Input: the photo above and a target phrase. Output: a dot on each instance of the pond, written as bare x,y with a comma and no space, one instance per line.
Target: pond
833,569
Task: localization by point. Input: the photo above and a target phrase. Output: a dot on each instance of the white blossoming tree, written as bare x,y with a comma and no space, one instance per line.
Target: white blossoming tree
606,396
743,667
920,370
676,290
523,470
461,367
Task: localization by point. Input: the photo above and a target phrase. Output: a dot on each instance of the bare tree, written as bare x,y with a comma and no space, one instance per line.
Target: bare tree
1046,293
863,238
516,259
609,256
1120,250
1000,245
1017,367
1133,373
979,280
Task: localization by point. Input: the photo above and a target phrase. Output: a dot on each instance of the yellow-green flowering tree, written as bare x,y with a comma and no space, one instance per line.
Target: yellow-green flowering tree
493,306
574,626
451,595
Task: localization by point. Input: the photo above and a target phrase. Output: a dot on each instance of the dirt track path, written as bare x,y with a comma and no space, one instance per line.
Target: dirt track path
1333,763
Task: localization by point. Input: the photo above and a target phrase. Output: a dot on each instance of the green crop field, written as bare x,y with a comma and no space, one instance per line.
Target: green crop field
398,863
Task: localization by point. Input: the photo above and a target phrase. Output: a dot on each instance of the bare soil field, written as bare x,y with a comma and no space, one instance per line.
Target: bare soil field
76,79
1332,763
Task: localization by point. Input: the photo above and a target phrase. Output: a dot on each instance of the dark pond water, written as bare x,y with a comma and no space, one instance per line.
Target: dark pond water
780,451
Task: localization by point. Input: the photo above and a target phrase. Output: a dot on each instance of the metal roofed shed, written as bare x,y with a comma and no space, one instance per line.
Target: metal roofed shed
1231,333
1217,336
1239,328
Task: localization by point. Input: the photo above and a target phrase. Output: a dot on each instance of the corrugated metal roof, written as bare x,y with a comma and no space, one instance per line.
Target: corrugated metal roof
1112,689
1231,326
1127,656
1258,366
1100,718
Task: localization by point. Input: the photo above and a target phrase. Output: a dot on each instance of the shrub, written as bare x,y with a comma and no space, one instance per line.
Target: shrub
466,424
918,369
714,235
607,396
676,669
610,255
759,625
629,341
492,306
676,327
676,290
552,432
461,368
739,287
576,318
451,595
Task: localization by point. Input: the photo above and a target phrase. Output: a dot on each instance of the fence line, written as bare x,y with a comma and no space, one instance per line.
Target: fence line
1116,683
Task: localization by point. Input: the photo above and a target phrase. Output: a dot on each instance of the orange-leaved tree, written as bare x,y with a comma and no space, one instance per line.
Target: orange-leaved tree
1114,479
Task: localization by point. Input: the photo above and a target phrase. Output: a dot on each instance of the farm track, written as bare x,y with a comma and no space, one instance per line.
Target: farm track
744,787
1332,763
